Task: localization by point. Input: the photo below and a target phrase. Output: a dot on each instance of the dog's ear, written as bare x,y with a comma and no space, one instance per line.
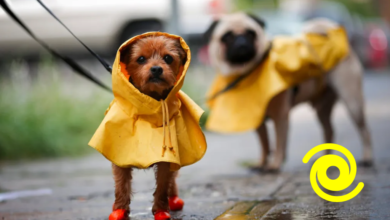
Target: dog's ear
125,54
207,35
258,20
181,52
183,55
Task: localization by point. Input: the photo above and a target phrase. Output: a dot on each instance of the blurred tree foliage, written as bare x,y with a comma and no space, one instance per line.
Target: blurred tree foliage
248,5
365,8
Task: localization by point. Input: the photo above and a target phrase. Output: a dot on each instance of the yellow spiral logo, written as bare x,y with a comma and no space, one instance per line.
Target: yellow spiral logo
345,178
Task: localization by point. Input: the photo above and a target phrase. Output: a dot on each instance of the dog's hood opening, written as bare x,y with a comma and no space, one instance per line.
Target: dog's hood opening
139,131
125,91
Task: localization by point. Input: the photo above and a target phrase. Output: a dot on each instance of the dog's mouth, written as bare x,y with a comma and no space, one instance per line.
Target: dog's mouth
240,56
160,95
156,80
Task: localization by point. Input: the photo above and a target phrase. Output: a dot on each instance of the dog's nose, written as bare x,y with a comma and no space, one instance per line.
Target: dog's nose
156,71
241,41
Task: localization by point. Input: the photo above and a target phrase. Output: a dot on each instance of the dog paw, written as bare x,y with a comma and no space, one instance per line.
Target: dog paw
175,203
257,168
365,163
161,215
264,170
119,214
272,169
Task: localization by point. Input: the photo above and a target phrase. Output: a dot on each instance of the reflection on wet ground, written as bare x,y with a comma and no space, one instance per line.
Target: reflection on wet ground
296,200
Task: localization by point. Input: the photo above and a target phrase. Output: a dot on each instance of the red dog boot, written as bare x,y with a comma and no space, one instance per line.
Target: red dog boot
162,215
175,203
119,214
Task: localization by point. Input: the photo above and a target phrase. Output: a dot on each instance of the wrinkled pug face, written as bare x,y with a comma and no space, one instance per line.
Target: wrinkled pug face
236,43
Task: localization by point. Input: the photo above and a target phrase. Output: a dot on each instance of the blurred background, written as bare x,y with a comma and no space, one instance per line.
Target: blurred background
48,111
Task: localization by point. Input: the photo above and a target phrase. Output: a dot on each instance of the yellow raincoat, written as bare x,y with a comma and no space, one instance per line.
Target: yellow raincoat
290,61
132,132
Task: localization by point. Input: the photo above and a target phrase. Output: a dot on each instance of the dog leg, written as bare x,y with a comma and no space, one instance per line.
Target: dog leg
279,112
324,106
163,178
122,178
173,189
175,203
262,133
347,82
281,130
355,109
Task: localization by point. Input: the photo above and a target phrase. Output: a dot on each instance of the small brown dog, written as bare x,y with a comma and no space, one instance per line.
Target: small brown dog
150,122
153,64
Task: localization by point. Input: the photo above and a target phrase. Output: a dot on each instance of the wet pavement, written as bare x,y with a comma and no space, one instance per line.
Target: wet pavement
296,200
220,186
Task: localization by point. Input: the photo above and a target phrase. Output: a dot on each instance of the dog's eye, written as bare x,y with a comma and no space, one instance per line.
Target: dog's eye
141,60
251,34
227,37
168,59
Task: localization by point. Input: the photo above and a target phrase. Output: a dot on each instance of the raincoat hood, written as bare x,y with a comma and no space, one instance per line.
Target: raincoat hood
291,61
139,131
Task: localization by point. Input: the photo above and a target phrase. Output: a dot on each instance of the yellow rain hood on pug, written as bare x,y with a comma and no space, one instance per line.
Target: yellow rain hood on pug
290,61
131,133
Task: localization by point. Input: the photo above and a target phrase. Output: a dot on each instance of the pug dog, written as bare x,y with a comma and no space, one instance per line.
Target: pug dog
237,44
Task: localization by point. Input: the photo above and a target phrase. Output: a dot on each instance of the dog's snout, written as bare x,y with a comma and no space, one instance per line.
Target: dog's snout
241,50
156,71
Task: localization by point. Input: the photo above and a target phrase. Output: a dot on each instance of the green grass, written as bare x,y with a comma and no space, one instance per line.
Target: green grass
38,118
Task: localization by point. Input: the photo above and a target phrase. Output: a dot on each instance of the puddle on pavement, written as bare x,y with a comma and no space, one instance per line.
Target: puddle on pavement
298,209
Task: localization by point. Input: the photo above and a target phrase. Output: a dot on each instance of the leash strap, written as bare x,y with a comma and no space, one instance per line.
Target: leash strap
76,67
233,84
101,60
229,87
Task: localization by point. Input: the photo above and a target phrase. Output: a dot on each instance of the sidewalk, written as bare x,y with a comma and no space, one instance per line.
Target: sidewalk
284,196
